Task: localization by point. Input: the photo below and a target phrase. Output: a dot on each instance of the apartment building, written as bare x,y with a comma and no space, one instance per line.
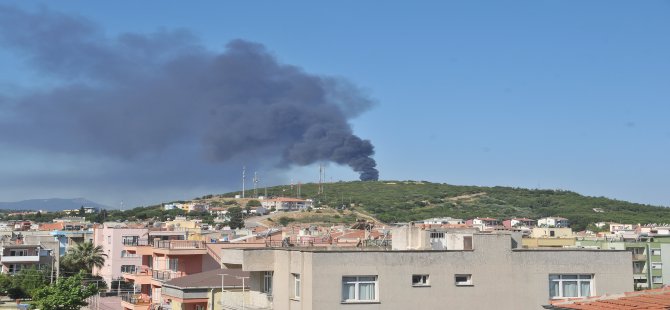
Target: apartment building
553,221
16,257
111,236
650,262
163,256
493,274
287,204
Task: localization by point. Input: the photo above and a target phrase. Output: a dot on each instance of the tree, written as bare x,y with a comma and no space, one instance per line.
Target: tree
82,211
66,294
236,218
285,220
253,203
84,256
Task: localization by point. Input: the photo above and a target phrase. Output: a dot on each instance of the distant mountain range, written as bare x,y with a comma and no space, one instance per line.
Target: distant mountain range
51,205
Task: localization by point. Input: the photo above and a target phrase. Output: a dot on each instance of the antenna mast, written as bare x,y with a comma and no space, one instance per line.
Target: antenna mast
255,185
244,171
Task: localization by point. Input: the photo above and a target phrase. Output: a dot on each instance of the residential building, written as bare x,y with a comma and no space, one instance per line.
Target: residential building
20,256
650,259
111,237
287,204
518,223
443,220
204,290
484,223
162,256
491,275
553,221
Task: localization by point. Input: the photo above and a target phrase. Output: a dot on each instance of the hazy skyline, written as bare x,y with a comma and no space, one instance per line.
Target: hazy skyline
559,95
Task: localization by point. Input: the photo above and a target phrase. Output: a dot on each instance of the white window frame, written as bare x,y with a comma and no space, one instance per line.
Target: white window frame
357,281
580,278
655,252
296,285
657,265
657,279
463,283
419,280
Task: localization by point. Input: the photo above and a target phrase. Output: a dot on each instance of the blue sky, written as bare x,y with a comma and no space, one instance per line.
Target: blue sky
551,94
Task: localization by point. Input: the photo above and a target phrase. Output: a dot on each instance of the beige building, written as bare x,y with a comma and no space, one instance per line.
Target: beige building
491,275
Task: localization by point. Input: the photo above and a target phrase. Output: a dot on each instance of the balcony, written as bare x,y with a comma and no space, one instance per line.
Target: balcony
180,247
136,301
20,259
165,275
136,242
139,275
639,257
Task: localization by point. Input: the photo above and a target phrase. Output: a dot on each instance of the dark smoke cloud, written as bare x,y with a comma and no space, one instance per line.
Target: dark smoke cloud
143,95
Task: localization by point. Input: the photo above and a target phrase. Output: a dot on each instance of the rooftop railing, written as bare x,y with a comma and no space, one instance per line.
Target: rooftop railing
179,244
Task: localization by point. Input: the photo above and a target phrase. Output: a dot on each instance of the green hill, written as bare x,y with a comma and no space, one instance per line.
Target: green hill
400,201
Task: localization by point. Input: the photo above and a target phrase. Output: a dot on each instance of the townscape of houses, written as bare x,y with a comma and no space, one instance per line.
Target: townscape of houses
515,263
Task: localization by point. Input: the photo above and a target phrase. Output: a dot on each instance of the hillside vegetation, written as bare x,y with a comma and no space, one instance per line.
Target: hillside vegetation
401,201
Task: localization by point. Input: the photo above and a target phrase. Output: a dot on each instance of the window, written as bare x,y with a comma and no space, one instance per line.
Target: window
296,285
420,280
199,307
655,251
125,253
570,285
18,252
656,265
267,282
128,268
173,264
552,233
436,235
14,268
109,239
359,288
657,279
463,279
130,240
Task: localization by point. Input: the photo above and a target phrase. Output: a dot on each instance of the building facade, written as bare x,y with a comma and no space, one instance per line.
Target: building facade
492,275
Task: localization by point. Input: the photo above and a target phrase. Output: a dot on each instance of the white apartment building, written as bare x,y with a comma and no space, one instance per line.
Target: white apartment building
553,222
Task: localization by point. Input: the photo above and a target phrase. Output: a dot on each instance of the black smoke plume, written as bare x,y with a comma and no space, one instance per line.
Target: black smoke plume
138,95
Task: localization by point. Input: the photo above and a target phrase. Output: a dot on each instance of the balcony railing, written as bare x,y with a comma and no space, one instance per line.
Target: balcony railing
136,242
639,257
137,270
179,244
136,299
165,275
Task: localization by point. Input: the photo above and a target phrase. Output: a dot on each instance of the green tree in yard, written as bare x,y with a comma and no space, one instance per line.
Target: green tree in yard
84,256
66,294
82,211
285,220
253,203
236,218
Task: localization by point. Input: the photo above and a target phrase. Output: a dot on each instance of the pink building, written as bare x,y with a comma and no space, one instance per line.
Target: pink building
111,236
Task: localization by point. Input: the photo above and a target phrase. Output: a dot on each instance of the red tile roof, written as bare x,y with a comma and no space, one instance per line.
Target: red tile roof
650,300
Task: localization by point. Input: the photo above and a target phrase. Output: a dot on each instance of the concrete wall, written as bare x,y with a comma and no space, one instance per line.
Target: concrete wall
502,278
